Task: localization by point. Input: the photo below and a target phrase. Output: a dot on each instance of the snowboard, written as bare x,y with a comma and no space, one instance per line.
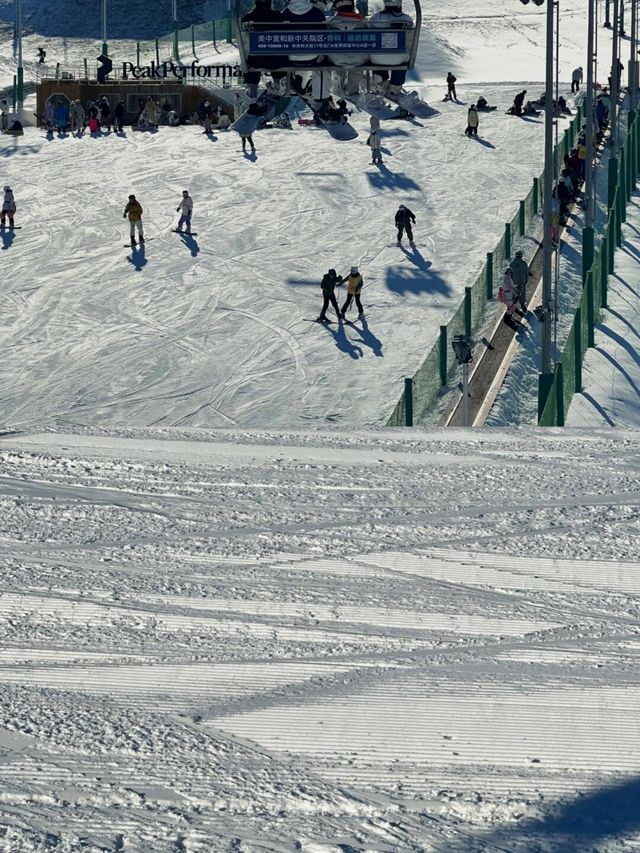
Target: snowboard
413,103
10,228
318,320
191,234
342,131
375,105
137,245
265,107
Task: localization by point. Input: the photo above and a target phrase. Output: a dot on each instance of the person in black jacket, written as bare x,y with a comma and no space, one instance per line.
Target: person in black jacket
328,285
518,101
404,218
119,116
451,88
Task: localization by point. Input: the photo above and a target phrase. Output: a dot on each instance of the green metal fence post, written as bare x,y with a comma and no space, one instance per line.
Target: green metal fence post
545,385
467,311
408,402
578,350
612,241
521,218
137,53
591,317
619,218
193,39
612,181
559,394
587,252
229,30
507,241
443,355
157,52
535,195
489,275
604,269
14,94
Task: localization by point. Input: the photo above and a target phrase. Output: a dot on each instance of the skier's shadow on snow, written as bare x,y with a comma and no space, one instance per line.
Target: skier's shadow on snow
385,179
368,338
137,258
7,238
420,279
532,120
591,821
484,142
342,341
191,243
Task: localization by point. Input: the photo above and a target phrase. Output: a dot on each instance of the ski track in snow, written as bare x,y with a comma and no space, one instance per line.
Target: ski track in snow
249,640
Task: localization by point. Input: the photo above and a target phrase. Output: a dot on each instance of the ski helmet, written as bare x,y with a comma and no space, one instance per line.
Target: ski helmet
354,270
519,253
508,271
131,196
402,207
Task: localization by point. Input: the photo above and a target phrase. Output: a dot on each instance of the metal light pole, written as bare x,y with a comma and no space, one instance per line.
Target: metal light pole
607,18
105,49
20,79
613,141
176,52
547,248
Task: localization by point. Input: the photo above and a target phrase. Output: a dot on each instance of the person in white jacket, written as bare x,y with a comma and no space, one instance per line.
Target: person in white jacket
509,294
374,140
185,208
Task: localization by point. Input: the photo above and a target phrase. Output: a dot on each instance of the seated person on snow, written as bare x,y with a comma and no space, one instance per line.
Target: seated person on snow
390,18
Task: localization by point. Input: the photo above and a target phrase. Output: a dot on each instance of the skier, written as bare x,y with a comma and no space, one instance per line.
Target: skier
248,139
354,284
8,207
601,115
49,114
42,53
78,122
374,141
451,88
576,79
518,101
390,18
508,295
119,115
472,121
62,116
520,276
186,206
150,113
329,282
134,211
404,218
105,113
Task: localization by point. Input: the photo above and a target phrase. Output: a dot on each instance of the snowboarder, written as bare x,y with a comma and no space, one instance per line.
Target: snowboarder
472,121
329,282
119,115
508,295
134,211
518,101
576,79
391,17
8,207
42,53
404,218
520,276
354,284
248,139
186,206
451,88
483,105
374,141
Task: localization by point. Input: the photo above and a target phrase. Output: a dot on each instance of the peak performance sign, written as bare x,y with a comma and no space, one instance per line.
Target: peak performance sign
172,71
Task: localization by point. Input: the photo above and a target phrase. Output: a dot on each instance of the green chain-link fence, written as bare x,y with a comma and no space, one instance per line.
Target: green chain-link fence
424,387
556,392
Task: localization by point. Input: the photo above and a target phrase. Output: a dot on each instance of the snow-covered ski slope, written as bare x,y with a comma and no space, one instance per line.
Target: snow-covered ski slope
328,641
217,332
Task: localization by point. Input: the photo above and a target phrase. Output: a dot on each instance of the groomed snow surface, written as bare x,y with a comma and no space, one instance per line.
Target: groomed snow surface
319,641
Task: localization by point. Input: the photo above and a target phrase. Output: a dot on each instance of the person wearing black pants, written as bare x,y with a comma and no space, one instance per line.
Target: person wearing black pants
451,88
404,218
328,285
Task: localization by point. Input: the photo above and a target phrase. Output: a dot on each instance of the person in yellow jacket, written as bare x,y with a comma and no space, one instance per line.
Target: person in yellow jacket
134,211
354,284
472,121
